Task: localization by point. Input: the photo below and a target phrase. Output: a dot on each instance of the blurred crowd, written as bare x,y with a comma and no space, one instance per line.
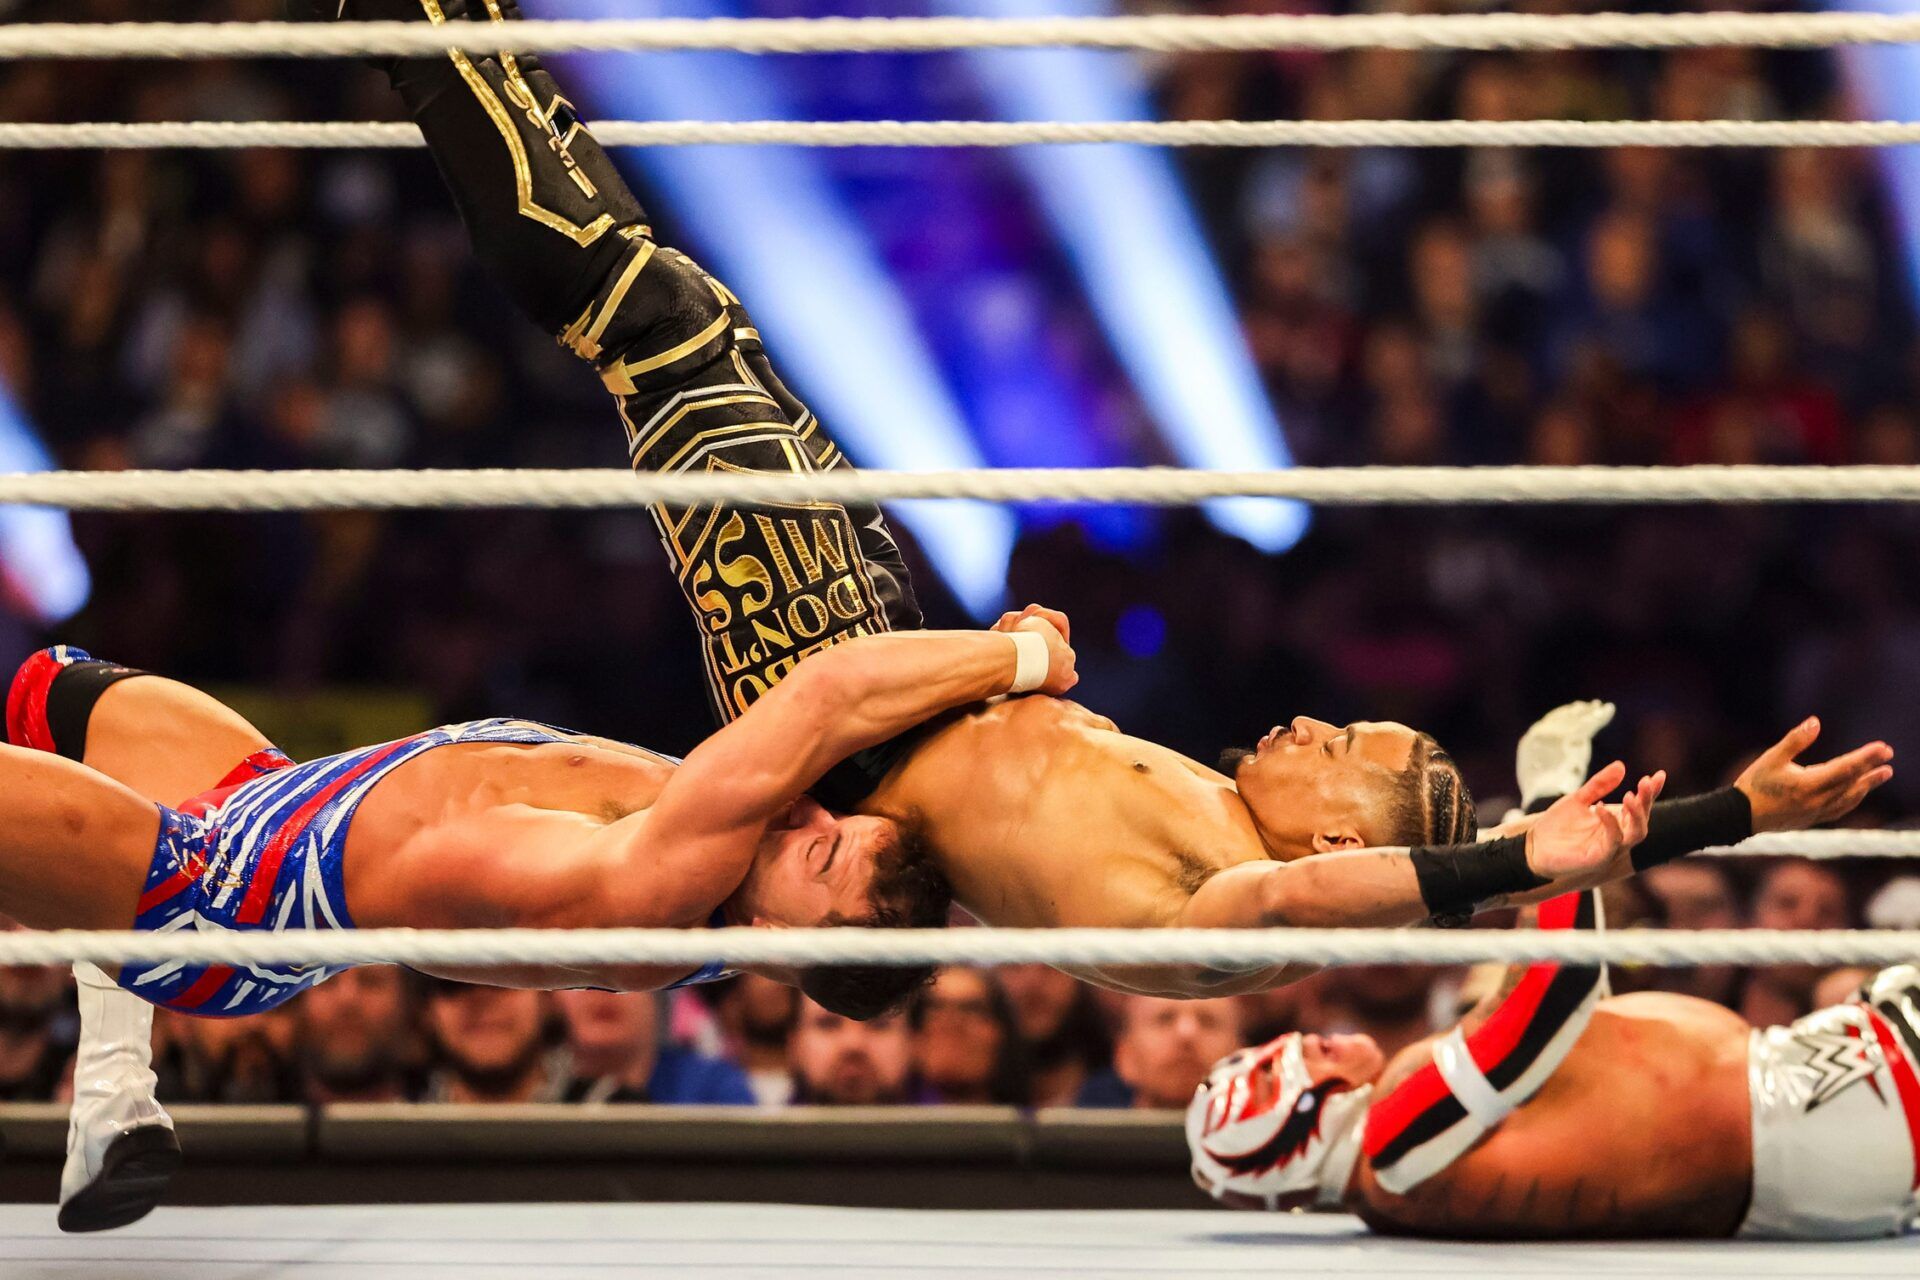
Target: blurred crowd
279,308
1024,1036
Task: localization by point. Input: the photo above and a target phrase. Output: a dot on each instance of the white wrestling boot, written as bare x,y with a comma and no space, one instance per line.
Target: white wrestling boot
121,1149
1556,752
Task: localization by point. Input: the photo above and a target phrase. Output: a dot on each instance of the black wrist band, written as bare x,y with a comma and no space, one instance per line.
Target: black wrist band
1455,879
1676,828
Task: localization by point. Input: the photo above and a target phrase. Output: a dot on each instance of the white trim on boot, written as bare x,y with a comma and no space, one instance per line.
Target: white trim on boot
120,1145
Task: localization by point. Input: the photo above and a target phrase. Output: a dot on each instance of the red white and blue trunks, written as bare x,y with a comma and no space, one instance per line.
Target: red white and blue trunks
265,851
262,851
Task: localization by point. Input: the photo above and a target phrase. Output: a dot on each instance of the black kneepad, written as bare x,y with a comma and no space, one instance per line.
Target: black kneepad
71,699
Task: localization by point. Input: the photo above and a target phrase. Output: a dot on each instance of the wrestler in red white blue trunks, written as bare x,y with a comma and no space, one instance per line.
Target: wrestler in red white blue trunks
492,824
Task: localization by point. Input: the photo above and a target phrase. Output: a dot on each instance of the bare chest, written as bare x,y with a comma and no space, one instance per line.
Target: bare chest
1080,829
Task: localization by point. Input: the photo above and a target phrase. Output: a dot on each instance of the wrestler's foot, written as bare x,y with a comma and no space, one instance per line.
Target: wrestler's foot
121,1149
390,10
1555,752
397,69
134,1170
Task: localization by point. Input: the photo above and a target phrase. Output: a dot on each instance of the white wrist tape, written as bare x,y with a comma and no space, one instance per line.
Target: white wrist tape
1030,661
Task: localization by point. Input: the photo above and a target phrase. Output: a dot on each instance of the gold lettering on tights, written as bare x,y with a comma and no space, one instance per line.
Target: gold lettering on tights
779,553
743,690
807,617
844,599
829,547
768,630
748,690
742,572
731,662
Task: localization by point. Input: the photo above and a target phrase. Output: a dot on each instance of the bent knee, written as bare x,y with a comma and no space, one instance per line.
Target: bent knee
167,740
52,698
659,318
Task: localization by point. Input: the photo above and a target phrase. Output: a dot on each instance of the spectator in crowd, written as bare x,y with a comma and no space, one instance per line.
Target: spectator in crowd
966,1044
1697,893
355,1037
1163,1051
1895,904
838,1062
1837,986
1391,1003
614,1053
757,1016
226,1059
36,1041
1794,893
1059,1022
491,1044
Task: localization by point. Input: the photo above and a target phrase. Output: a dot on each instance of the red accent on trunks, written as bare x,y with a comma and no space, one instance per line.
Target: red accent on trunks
27,702
267,870
258,765
177,883
1904,1080
202,990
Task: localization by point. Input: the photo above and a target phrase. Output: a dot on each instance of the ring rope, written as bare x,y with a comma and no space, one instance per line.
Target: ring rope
227,134
1162,34
1823,845
607,487
1242,950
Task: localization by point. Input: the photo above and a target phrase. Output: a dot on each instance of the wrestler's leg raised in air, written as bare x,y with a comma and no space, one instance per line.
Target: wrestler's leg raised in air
552,219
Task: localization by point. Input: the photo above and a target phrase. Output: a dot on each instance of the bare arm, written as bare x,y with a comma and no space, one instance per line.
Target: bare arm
1579,843
842,700
1358,889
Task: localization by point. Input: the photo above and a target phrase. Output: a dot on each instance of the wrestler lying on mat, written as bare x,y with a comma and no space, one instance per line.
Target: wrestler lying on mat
1039,812
1554,1110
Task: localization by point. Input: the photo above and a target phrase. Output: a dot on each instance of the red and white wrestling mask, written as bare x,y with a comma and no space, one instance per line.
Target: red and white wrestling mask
1263,1135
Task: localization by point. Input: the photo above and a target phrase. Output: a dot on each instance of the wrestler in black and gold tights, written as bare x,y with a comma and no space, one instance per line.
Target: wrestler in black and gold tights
554,222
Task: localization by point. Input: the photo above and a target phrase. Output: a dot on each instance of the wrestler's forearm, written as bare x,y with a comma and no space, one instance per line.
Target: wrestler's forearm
839,701
1367,888
877,687
1675,828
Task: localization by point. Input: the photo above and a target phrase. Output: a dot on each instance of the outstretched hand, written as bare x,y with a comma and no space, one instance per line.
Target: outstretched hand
1581,834
1791,797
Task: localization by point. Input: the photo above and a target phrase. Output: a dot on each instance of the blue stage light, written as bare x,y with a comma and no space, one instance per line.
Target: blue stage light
1141,631
1141,257
1886,82
37,555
